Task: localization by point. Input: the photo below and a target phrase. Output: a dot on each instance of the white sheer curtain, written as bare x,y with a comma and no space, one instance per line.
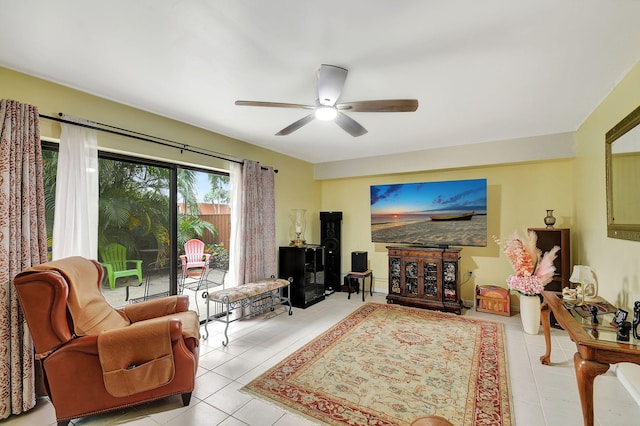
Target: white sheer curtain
75,224
253,225
236,246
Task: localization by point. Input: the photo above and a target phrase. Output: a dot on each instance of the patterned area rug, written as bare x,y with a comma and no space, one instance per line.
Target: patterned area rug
389,364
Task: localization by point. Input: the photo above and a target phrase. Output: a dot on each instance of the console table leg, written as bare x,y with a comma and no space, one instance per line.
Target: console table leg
586,372
545,312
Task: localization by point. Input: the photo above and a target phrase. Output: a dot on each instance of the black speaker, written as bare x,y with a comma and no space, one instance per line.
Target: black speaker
359,261
330,238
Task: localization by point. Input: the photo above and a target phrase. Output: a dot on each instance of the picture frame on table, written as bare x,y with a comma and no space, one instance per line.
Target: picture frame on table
620,317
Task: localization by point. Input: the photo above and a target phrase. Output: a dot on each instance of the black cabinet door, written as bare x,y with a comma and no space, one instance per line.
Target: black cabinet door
305,266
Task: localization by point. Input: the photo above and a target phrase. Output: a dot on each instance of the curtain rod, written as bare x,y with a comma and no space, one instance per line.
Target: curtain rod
146,138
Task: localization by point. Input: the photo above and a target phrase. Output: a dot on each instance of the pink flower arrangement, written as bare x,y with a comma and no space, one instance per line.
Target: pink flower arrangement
532,269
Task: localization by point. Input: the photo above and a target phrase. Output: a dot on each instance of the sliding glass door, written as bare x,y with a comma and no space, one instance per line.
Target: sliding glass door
135,212
204,214
151,209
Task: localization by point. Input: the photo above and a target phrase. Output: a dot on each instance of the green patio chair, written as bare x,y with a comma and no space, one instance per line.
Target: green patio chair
115,262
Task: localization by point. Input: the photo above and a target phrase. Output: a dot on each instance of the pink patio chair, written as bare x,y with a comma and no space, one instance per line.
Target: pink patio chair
195,257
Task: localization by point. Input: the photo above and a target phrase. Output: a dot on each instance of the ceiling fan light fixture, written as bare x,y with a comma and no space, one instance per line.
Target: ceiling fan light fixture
331,80
326,113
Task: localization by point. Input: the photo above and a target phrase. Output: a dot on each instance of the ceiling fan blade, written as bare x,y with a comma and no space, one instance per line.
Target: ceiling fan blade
350,125
330,84
389,105
273,104
296,125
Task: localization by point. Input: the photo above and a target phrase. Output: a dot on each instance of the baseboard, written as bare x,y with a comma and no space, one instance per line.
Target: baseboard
468,303
472,303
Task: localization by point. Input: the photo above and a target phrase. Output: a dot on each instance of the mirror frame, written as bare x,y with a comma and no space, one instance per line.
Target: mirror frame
626,231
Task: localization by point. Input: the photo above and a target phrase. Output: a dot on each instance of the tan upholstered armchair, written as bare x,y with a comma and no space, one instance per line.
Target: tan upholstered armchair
96,358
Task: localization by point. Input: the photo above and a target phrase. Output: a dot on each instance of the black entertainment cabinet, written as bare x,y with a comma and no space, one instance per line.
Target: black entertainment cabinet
305,265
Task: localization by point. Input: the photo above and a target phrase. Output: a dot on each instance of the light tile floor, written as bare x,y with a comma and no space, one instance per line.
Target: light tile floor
542,395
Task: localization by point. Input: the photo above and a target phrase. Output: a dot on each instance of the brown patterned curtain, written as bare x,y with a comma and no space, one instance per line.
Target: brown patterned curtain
23,243
254,250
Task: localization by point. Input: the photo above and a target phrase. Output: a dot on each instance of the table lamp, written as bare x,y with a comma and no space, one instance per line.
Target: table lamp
584,276
297,227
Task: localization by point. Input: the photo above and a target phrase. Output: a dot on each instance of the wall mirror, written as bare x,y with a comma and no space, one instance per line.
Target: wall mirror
622,157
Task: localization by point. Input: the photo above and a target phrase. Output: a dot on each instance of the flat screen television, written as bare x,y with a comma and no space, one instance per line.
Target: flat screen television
433,214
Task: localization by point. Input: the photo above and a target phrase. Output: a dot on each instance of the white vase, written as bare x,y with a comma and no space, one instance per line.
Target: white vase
530,313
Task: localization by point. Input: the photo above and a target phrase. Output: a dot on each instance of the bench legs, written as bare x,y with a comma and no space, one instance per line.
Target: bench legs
288,298
285,299
226,326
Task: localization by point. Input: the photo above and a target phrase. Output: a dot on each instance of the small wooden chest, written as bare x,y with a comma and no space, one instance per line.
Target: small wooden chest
493,299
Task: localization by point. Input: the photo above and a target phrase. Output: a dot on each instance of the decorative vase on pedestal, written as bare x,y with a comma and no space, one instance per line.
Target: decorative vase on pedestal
530,313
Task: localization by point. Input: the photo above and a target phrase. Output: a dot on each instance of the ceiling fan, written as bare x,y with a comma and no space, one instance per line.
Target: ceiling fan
331,80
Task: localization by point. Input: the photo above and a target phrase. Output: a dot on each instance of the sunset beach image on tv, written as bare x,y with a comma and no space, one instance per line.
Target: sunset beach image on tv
434,214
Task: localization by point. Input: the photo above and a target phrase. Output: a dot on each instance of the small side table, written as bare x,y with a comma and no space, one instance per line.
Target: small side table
359,276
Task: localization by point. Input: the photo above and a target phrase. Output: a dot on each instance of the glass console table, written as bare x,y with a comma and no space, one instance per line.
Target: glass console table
597,346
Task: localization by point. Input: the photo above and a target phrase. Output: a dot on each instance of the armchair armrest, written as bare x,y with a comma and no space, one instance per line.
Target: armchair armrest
155,308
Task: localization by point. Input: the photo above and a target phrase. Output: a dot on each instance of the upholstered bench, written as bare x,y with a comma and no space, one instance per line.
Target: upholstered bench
246,300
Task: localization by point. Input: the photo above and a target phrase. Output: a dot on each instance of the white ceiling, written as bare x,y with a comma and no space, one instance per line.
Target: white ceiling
482,70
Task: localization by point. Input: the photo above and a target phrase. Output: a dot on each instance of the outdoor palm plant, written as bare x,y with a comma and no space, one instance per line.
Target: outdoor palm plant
191,226
134,205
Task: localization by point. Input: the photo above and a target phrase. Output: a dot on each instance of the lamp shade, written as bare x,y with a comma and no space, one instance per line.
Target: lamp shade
586,277
582,274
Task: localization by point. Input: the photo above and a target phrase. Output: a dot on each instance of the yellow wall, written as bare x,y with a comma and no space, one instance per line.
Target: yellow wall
519,194
518,197
50,99
616,262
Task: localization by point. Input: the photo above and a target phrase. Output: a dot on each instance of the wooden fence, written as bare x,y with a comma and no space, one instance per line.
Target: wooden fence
222,222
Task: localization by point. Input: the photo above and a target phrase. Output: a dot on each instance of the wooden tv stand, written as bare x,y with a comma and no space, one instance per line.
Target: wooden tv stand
425,277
